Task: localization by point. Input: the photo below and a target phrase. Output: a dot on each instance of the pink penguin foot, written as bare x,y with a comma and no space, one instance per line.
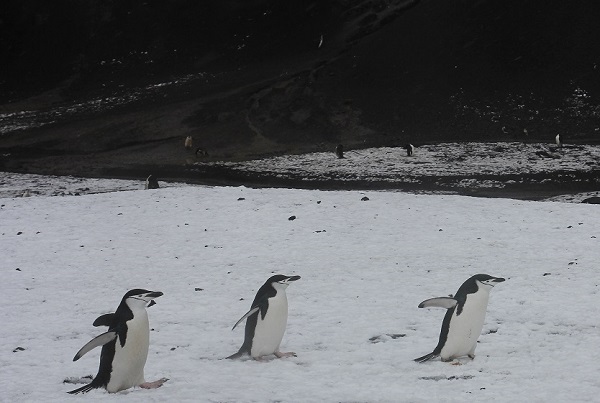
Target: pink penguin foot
154,385
279,354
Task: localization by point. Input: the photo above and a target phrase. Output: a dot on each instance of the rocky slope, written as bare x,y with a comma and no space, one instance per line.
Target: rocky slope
254,79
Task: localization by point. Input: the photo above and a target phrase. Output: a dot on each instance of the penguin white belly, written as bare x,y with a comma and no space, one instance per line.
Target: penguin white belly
269,331
129,361
465,328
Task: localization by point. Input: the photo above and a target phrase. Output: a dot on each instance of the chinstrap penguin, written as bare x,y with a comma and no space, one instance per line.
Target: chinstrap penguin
189,142
124,345
151,182
201,152
463,322
558,140
266,320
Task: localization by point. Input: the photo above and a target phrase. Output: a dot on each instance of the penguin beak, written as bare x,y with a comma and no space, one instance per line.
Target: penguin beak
286,281
150,296
153,294
495,280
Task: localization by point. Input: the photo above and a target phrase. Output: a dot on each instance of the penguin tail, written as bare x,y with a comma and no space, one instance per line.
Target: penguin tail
83,389
241,352
237,355
426,357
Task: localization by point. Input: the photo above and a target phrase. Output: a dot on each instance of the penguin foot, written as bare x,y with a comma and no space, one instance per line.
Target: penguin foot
154,385
279,354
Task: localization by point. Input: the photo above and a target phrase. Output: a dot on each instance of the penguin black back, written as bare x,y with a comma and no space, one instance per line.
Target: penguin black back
103,376
443,337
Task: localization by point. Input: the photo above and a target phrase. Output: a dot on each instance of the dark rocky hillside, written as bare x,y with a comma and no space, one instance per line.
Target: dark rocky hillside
120,84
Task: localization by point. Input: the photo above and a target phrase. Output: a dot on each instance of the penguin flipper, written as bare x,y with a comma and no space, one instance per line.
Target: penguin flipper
425,358
104,320
250,312
96,342
440,302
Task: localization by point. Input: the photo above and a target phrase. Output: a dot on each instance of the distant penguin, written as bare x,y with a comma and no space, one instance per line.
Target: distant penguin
410,149
558,140
152,182
124,345
339,151
201,152
267,320
463,322
189,143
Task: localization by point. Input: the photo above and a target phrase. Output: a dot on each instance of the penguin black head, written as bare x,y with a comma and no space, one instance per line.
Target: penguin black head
487,280
141,296
276,283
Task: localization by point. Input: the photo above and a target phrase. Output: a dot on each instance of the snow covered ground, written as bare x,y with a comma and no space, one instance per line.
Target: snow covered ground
353,322
29,185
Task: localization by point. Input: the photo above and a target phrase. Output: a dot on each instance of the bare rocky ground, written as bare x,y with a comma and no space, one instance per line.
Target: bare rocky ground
509,170
467,85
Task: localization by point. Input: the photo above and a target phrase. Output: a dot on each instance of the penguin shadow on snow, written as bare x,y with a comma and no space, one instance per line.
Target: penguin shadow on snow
124,346
382,338
266,321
